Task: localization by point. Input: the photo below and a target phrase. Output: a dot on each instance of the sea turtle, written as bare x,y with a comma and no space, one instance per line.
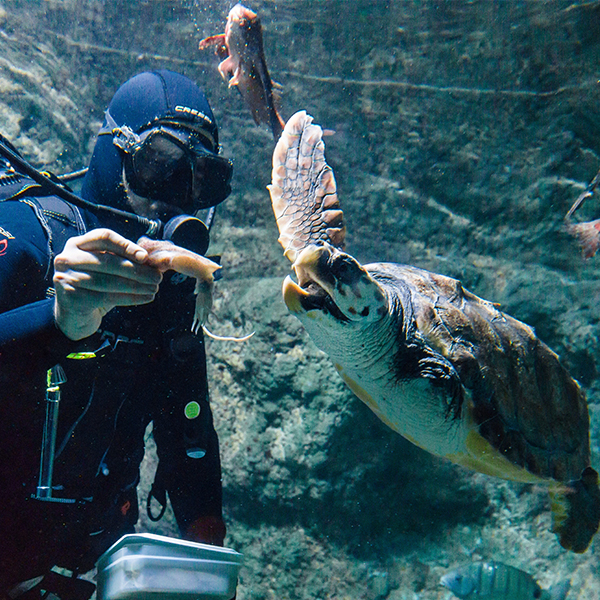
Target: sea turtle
439,365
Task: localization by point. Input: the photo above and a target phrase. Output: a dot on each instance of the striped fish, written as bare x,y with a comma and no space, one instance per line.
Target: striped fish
496,581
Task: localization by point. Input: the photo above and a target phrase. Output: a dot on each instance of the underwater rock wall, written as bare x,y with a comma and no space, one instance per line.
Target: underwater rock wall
464,132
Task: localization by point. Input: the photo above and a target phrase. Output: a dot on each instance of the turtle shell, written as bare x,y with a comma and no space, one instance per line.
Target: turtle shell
437,363
523,401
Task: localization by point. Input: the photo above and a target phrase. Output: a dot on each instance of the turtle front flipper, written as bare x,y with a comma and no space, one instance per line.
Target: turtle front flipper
303,192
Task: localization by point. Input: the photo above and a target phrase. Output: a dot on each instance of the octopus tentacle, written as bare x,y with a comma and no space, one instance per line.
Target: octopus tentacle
166,256
226,338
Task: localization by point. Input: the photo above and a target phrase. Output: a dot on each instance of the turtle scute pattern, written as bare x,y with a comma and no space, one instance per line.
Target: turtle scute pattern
525,403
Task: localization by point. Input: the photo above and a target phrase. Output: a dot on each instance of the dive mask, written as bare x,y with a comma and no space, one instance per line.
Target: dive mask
173,163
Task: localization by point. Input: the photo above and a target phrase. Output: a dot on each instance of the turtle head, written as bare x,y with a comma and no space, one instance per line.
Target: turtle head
335,284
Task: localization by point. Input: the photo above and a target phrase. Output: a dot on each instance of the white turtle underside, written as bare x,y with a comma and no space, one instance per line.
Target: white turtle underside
414,408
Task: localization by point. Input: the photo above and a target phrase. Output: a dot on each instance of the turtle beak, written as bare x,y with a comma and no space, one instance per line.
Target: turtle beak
307,268
297,296
292,296
304,300
300,297
314,287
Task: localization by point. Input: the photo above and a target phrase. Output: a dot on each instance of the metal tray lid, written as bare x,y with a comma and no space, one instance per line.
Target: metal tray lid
150,544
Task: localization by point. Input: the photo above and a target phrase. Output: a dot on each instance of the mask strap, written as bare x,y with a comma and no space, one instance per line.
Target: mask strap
124,137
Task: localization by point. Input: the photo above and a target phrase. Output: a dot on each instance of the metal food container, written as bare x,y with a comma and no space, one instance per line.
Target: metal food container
152,566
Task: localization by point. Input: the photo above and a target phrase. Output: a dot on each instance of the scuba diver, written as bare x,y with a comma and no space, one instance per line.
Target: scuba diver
93,349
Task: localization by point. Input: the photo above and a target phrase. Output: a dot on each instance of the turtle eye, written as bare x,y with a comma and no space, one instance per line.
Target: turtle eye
345,270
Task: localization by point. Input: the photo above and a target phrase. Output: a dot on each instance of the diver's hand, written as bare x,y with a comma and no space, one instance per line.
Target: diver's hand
96,272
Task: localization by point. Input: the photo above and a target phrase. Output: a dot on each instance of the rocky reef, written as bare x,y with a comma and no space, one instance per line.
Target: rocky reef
464,130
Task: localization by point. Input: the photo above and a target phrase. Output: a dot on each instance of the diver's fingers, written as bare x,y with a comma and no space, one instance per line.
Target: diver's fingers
78,312
104,302
105,251
71,280
98,263
107,240
96,272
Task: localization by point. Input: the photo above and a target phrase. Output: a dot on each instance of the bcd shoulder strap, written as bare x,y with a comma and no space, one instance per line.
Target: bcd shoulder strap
60,219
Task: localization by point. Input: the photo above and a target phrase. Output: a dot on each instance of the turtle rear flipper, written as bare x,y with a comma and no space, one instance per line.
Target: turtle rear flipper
576,511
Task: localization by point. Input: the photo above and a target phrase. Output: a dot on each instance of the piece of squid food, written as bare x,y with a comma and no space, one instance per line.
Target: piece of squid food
166,256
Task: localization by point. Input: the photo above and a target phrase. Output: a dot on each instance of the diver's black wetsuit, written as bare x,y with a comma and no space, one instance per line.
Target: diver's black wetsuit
156,366
152,366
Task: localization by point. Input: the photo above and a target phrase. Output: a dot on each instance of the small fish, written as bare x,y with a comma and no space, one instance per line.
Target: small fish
496,581
587,234
243,64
